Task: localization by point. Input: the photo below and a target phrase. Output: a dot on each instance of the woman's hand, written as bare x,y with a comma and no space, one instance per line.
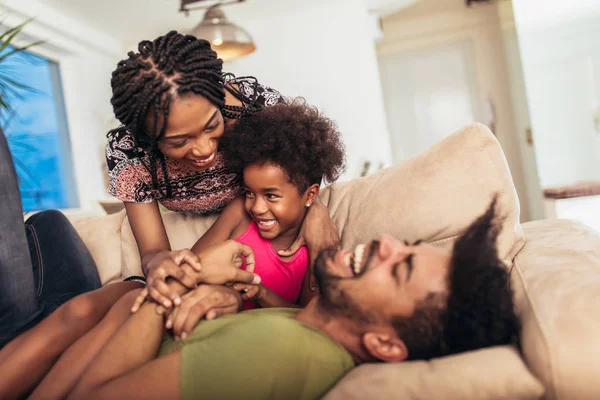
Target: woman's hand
206,301
318,232
250,292
162,266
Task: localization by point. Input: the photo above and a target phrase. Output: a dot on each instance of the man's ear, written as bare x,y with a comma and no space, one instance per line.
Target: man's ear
311,194
385,347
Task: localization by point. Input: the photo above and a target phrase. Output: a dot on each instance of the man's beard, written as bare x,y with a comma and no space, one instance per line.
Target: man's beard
333,299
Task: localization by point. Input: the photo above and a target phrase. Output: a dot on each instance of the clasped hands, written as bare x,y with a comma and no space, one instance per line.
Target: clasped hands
187,287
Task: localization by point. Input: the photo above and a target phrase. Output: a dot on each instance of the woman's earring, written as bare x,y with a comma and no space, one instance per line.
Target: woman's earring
307,205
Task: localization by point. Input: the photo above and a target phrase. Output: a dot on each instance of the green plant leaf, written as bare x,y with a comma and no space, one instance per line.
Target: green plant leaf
9,86
12,114
16,50
25,146
7,36
11,82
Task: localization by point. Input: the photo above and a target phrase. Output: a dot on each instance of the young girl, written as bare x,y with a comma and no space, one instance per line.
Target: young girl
284,152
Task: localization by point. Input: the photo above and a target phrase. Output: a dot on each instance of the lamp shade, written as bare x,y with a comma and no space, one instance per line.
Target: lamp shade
227,39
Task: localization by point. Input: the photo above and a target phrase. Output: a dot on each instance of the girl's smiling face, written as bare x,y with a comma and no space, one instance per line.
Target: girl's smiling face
276,204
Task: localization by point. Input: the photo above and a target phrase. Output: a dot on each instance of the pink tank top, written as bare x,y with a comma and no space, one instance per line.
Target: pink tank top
283,277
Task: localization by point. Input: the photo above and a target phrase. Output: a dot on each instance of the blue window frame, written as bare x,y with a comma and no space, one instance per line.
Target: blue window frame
38,136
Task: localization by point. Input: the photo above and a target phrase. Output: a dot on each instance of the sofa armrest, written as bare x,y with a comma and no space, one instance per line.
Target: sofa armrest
556,278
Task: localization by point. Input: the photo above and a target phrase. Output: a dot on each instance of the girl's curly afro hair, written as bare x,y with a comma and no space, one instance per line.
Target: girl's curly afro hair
292,135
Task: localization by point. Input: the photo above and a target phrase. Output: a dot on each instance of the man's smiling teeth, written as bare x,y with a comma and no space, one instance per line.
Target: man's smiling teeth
357,258
267,223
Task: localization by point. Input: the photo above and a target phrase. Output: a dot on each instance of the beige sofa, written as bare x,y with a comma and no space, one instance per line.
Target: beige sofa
555,267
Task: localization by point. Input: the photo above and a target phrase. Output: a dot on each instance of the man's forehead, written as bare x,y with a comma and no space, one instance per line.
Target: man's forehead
431,263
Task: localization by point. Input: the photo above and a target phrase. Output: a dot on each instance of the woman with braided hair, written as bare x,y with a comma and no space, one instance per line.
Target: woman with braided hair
174,103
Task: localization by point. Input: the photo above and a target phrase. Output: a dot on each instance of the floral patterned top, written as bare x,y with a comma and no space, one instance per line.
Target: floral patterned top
200,192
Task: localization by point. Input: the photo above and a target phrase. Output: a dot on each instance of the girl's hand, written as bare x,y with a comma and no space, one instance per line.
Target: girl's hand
221,264
164,265
250,292
318,232
206,301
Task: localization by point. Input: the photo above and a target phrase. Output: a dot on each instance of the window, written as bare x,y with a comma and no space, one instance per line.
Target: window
38,136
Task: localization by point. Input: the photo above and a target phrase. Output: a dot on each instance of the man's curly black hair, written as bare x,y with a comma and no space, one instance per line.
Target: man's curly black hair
477,311
292,135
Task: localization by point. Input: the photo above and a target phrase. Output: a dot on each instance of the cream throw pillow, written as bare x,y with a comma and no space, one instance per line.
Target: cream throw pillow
489,374
433,196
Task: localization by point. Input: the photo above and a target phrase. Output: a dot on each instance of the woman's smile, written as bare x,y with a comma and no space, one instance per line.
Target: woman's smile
204,162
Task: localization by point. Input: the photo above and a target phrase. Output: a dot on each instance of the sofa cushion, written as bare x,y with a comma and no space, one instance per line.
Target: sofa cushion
102,237
182,229
557,283
489,374
433,196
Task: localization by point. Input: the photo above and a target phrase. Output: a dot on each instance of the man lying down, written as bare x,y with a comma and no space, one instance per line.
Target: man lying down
386,301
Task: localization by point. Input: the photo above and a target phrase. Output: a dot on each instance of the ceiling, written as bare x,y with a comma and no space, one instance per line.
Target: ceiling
135,20
129,20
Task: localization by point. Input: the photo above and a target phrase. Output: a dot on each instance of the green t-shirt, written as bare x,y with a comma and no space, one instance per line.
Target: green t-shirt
258,354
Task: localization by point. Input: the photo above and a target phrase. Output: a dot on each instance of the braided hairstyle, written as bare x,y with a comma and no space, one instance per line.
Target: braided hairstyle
149,80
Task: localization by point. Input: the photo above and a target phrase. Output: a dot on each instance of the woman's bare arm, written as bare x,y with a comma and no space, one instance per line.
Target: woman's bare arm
148,229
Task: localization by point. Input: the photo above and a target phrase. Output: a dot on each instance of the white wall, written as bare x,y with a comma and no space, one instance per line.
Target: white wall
323,51
86,58
559,49
521,111
430,25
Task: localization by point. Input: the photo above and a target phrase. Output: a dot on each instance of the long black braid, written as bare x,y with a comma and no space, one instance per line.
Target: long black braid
147,81
251,106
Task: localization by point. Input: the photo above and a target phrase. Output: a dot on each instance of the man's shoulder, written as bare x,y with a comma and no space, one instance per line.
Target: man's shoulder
282,336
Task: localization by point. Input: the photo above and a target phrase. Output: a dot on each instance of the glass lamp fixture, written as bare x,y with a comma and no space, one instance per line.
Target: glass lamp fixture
229,40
